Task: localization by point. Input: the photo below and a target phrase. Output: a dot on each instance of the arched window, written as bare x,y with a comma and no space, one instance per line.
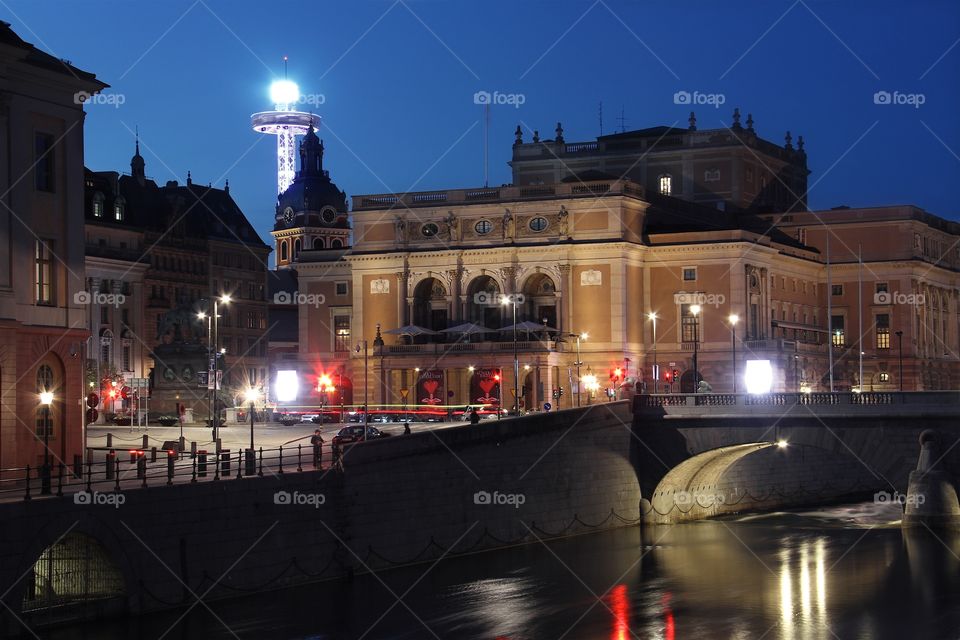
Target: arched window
45,385
296,248
119,205
98,205
318,243
283,251
336,243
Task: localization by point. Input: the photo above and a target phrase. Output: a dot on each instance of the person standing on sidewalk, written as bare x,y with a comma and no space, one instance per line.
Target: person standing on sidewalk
317,441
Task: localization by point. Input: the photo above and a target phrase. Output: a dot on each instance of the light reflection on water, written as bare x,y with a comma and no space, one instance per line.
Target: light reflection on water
843,572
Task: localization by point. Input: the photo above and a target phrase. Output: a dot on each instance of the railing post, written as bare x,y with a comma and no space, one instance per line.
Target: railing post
194,465
27,496
260,467
299,457
116,473
171,458
60,479
280,470
89,474
239,464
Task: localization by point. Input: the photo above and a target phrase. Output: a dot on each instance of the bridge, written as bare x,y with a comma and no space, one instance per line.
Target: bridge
703,455
416,498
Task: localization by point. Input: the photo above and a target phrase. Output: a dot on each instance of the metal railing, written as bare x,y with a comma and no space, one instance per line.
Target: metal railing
780,399
142,468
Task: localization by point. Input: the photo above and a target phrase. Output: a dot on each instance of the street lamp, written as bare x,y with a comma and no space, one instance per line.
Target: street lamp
734,319
366,388
251,396
695,310
899,335
215,419
46,399
591,383
579,336
511,300
656,368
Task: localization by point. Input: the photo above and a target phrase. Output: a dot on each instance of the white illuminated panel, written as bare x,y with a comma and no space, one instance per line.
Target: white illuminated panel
287,386
758,376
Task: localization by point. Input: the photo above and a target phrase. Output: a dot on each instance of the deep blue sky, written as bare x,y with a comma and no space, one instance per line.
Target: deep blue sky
397,100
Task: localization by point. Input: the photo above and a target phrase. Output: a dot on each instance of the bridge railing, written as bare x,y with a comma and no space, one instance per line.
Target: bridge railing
142,468
781,399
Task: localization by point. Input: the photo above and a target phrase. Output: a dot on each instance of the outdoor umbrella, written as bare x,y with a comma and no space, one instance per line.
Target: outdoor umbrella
527,327
469,328
411,330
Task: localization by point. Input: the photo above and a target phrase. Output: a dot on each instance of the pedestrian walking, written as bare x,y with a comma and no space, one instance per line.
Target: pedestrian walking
337,456
317,441
474,416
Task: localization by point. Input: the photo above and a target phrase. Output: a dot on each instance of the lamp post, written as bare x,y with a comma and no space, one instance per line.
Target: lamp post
46,399
695,310
210,366
579,337
656,367
251,397
224,299
511,300
366,388
592,384
899,335
734,319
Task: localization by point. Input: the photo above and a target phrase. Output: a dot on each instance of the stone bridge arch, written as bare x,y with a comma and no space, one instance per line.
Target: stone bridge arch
753,477
70,570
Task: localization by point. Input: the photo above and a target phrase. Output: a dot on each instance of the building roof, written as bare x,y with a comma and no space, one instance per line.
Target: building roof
43,60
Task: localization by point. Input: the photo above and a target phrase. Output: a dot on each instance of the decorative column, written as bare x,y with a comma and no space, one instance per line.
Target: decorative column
566,298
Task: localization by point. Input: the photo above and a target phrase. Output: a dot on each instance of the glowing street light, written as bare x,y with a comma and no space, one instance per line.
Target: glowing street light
733,319
591,382
46,399
656,368
580,337
695,311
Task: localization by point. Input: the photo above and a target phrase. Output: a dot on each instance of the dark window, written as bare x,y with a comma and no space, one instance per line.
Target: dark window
538,224
43,162
341,288
837,290
483,227
690,273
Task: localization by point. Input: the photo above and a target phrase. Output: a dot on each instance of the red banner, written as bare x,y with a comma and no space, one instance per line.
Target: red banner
430,387
485,386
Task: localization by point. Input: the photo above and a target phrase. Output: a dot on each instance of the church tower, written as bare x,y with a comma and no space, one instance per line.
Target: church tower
312,213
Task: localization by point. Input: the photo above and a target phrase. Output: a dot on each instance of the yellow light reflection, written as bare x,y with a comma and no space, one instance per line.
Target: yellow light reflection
786,595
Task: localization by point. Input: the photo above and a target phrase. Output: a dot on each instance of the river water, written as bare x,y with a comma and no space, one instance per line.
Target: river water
845,572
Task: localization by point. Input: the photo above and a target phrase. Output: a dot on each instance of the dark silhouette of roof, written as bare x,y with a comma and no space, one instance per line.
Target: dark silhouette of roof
42,60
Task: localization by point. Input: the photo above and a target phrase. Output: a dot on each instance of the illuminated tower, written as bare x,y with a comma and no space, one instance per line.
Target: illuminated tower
286,123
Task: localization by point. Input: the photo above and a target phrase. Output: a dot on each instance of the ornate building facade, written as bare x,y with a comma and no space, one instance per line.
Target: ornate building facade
696,282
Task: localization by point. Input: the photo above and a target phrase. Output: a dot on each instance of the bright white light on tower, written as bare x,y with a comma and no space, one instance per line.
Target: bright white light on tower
758,376
284,92
287,386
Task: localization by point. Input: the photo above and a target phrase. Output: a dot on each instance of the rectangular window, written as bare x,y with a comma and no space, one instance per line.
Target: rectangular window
884,376
341,289
883,330
341,327
666,185
44,422
43,156
836,290
837,328
104,314
43,277
689,325
126,358
882,287
689,274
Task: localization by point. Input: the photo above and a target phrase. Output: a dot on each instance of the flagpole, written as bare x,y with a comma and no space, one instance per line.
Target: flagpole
829,313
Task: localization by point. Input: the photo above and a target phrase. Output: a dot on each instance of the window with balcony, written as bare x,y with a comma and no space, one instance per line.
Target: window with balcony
838,330
689,324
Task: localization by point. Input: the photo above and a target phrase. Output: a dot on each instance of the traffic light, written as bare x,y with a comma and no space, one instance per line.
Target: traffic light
616,374
556,394
560,391
668,376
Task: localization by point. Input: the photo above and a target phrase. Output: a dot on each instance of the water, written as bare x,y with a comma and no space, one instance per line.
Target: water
839,573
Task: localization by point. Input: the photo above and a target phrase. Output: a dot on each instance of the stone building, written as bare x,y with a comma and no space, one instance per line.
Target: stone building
44,323
173,248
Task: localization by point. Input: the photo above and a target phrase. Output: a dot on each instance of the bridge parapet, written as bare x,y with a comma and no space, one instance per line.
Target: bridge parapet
726,405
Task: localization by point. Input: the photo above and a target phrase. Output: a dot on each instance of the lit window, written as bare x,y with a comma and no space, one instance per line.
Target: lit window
43,277
118,209
836,323
689,324
884,376
666,184
98,205
883,330
689,274
341,325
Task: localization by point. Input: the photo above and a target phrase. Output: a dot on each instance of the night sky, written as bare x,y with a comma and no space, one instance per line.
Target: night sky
397,81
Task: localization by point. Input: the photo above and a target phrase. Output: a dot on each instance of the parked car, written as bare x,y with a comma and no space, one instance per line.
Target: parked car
323,417
355,434
288,420
309,417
